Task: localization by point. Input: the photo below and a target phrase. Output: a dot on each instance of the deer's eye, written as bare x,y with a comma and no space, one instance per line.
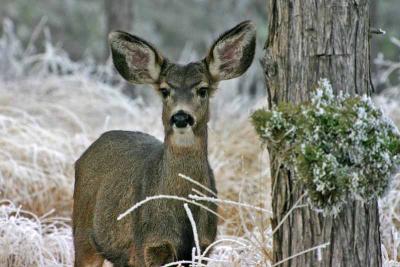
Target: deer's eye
202,92
165,92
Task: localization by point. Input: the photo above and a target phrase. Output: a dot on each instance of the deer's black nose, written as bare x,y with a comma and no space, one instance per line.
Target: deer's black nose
181,119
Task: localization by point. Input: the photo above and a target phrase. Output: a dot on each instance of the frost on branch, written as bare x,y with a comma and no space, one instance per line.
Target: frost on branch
340,147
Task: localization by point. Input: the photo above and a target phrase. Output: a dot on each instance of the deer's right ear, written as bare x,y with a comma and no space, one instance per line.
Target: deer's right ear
135,59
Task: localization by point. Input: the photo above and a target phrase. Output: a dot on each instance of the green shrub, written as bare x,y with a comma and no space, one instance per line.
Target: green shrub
339,147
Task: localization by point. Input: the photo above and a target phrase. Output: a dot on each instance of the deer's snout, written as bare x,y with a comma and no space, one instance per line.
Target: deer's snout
181,119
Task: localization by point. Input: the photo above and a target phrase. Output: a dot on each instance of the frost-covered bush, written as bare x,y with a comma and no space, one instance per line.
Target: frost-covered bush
340,147
29,240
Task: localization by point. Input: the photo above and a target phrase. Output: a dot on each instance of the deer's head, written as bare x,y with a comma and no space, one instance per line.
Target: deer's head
184,89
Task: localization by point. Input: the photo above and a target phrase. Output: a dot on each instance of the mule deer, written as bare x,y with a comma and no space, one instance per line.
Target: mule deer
122,168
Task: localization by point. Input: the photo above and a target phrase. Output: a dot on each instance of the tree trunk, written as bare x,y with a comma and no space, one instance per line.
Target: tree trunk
309,40
375,42
119,16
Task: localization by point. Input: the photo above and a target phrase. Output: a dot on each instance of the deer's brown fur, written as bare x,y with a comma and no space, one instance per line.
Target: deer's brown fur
122,168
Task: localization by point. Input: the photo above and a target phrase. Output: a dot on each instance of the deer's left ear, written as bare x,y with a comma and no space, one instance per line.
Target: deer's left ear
232,53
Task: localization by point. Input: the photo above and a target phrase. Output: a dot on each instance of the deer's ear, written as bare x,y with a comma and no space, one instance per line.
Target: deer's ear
135,59
232,53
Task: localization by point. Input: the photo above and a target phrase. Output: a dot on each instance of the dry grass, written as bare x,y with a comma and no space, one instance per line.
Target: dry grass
28,240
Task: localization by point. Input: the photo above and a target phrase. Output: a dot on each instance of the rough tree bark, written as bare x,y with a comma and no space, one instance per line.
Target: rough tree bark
309,40
119,16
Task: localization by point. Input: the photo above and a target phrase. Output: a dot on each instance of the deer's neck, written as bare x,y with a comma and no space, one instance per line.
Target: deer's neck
190,160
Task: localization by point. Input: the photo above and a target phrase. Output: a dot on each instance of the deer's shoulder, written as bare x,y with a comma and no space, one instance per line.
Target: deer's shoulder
119,137
115,146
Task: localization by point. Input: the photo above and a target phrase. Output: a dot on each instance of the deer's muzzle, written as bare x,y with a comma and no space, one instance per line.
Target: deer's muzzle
182,119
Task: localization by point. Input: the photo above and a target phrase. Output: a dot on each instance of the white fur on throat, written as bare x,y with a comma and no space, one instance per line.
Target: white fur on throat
183,136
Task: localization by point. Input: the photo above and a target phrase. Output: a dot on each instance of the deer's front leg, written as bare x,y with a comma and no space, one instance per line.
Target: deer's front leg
207,228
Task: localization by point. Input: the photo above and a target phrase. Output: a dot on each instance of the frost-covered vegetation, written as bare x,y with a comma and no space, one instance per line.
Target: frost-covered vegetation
52,108
340,147
29,240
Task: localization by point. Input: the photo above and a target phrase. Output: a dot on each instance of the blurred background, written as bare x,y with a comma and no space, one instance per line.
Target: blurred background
181,29
59,91
82,26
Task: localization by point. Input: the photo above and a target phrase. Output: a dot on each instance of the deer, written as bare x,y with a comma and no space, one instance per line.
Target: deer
122,168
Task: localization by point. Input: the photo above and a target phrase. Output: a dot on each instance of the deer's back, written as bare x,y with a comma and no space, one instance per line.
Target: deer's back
113,151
